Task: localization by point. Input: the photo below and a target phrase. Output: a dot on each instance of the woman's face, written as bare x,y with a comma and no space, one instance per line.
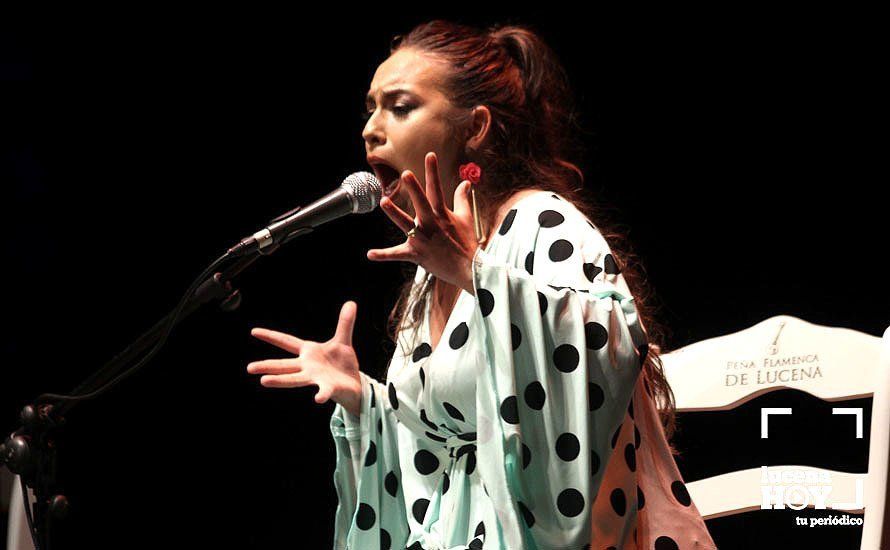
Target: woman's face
409,117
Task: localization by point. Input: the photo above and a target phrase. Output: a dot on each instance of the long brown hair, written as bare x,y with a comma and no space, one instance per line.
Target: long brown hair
532,143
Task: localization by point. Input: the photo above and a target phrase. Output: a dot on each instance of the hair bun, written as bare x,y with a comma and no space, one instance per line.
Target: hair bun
511,38
531,55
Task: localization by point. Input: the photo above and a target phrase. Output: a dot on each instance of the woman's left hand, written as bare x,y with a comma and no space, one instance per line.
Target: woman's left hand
444,242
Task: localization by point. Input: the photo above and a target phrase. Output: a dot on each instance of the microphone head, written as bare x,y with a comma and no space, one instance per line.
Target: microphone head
365,191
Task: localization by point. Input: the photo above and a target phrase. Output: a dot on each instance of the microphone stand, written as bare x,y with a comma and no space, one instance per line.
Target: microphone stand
30,451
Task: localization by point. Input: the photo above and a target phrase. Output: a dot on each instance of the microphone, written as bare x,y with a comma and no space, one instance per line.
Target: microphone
359,193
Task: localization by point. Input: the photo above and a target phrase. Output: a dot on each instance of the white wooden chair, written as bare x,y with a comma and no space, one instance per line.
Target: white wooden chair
851,365
18,535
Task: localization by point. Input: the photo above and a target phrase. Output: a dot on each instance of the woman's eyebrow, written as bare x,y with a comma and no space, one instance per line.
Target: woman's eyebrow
369,99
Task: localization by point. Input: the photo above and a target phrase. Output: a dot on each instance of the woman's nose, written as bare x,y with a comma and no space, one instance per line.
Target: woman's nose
372,133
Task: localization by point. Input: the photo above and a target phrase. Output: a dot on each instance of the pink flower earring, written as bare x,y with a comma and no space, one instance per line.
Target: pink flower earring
472,173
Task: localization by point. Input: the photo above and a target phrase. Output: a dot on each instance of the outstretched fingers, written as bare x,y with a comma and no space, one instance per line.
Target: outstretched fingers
425,215
463,208
402,252
285,380
346,323
275,366
279,339
396,214
433,184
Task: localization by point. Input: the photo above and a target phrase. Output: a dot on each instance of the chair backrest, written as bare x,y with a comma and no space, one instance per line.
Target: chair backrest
876,531
786,353
18,534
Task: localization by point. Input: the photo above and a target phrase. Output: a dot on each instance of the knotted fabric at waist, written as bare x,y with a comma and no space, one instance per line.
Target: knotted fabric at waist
460,444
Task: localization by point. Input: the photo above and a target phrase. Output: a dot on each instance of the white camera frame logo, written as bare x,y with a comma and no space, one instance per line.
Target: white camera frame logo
797,487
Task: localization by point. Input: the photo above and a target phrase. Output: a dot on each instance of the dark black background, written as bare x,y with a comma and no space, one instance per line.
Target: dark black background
738,148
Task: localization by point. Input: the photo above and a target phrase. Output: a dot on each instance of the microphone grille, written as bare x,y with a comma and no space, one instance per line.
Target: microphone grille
365,191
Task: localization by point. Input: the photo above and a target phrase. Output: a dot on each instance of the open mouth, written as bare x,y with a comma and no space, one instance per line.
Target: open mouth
387,176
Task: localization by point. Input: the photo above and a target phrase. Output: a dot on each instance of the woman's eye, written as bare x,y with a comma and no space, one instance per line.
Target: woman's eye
398,110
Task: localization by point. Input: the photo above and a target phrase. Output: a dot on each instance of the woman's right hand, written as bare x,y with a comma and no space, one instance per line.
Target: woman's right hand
332,365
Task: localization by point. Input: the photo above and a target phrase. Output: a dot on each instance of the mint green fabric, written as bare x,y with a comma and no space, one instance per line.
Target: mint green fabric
501,434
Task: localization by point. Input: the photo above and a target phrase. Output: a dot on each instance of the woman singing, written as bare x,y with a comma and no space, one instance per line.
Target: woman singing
519,408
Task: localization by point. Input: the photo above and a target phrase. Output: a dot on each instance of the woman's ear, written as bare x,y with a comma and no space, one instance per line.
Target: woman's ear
480,122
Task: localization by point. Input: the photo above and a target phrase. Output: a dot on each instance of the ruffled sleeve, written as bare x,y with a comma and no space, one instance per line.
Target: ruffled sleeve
367,472
560,335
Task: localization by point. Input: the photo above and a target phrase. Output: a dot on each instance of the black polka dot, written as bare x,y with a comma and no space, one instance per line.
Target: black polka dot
595,335
630,457
641,498
365,517
380,426
591,271
435,437
615,436
371,455
373,400
422,377
594,463
393,399
595,396
570,502
508,222
446,483
459,336
630,408
421,351
452,411
619,501
391,483
666,543
427,421
567,446
550,218
561,250
385,540
611,265
680,493
425,462
471,462
515,336
530,263
469,436
526,514
526,456
566,357
535,396
415,546
542,303
480,530
419,509
510,410
486,301
475,544
636,438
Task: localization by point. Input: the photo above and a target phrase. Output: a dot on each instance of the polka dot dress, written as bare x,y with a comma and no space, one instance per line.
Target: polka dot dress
527,427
